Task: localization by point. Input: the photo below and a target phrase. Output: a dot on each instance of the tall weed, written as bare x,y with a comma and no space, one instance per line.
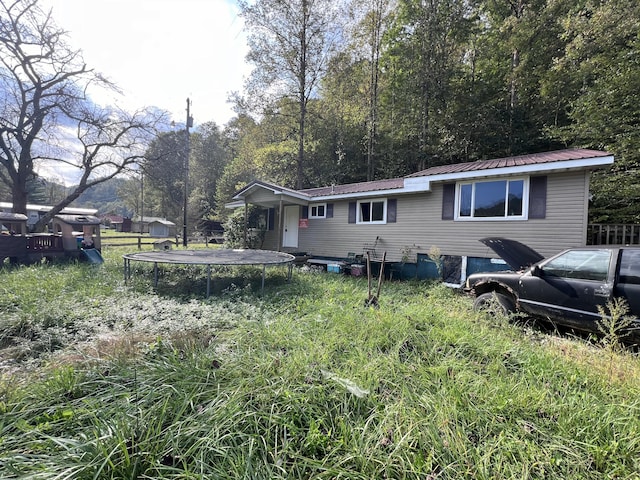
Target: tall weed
307,382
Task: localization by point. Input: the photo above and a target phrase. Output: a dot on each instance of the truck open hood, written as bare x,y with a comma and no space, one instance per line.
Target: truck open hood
517,255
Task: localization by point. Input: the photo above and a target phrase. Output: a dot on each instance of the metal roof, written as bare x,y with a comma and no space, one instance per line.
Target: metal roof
46,208
375,185
575,158
518,161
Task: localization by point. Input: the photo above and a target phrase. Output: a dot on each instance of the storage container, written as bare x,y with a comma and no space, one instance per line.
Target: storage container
357,270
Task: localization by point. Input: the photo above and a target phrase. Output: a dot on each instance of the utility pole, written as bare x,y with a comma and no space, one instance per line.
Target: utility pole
186,177
141,200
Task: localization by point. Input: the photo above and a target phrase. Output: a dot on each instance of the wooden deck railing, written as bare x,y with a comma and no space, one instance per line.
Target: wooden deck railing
620,234
44,243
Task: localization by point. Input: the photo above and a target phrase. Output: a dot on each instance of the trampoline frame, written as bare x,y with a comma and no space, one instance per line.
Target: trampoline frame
218,257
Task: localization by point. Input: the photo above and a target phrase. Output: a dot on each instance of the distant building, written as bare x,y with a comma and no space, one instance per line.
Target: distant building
162,228
112,221
36,212
154,226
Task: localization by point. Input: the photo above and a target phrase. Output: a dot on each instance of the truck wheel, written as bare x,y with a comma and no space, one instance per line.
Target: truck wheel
494,303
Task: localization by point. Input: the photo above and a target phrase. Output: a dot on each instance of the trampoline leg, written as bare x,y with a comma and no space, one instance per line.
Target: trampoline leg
126,271
208,280
290,270
155,275
263,271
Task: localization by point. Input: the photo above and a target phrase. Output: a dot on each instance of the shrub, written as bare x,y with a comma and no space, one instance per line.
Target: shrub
234,229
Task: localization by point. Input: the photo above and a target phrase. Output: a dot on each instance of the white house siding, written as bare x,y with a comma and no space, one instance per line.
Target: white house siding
419,226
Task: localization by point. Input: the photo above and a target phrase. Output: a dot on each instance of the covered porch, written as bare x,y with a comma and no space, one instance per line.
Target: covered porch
282,219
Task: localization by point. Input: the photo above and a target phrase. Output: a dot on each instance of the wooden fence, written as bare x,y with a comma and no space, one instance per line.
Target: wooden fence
146,240
621,234
131,241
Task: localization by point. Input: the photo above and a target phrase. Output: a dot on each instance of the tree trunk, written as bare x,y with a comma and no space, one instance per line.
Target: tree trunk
513,96
372,130
302,84
19,197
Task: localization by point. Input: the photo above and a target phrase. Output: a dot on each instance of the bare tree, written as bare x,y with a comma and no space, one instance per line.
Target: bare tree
47,116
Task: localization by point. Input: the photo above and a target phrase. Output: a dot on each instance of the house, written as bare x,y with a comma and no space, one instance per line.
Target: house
162,228
117,222
154,226
35,212
539,199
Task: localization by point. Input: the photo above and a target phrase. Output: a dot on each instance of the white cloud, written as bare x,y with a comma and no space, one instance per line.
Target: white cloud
159,52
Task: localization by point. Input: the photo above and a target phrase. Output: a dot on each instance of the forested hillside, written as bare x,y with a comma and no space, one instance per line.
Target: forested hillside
404,85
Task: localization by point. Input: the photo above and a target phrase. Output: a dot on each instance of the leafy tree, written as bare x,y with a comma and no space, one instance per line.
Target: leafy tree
130,193
425,45
163,170
44,106
374,16
242,136
265,151
290,42
207,162
602,65
519,51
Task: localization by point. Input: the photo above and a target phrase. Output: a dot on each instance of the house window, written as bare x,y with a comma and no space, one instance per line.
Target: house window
372,211
496,199
318,210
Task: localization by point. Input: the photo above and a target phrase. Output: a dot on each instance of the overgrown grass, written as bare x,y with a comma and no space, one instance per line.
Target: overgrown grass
111,381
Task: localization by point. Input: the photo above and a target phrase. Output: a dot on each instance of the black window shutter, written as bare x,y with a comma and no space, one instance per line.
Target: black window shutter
272,219
329,210
352,212
448,201
538,197
305,211
392,207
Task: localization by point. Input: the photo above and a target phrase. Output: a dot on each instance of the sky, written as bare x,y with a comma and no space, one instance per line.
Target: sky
161,52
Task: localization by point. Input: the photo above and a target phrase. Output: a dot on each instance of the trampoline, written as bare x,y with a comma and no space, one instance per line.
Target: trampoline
227,257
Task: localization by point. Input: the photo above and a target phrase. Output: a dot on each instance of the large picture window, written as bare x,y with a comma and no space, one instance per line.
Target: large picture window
506,199
372,211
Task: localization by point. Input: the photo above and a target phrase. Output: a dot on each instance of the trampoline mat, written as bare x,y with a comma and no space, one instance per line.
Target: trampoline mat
213,257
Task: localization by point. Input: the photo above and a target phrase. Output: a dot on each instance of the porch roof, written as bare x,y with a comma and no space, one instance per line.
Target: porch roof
269,194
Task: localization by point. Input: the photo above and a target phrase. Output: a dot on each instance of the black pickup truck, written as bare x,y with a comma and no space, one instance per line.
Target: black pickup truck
566,288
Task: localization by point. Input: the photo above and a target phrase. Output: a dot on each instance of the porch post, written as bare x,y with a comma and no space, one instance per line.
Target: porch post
280,223
246,217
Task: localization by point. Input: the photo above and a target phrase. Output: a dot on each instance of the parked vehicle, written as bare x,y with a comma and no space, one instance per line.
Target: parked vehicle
567,288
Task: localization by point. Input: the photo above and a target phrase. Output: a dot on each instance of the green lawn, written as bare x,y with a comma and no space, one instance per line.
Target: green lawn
110,381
